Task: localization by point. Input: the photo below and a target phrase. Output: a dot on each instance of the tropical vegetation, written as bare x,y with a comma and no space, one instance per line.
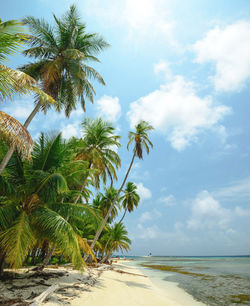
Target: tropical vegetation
58,202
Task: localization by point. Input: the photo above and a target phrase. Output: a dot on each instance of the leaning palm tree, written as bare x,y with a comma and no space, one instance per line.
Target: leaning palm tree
98,149
141,141
130,199
62,53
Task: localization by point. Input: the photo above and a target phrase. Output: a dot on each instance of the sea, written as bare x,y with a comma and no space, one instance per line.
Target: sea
210,280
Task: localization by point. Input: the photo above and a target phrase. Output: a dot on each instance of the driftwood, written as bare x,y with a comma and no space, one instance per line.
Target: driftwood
40,298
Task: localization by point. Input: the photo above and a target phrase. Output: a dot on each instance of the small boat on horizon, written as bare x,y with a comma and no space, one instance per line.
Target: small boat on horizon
149,255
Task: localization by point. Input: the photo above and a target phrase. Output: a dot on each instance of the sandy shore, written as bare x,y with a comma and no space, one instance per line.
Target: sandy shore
135,289
114,285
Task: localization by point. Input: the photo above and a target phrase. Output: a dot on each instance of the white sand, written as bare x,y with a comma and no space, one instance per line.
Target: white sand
114,289
99,287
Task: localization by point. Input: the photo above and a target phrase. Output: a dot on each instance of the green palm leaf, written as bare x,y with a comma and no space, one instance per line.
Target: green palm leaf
17,240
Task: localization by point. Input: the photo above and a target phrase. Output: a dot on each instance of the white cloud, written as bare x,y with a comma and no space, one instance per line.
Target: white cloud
139,173
140,19
20,109
235,191
147,232
143,192
78,112
149,17
150,215
163,67
109,108
168,200
229,49
71,130
208,213
176,111
146,216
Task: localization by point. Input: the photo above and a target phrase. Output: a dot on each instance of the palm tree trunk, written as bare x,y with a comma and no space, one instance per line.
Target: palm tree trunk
47,258
105,258
2,258
98,233
12,147
123,216
78,197
33,254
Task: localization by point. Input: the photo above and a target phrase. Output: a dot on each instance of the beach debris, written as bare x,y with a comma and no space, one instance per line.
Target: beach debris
40,298
12,301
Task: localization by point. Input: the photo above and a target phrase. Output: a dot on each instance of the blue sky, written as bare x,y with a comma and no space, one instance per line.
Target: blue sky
184,66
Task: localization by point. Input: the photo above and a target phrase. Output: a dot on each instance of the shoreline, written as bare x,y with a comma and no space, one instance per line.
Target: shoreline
106,285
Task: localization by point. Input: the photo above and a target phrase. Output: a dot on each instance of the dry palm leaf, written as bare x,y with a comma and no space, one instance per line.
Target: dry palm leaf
13,132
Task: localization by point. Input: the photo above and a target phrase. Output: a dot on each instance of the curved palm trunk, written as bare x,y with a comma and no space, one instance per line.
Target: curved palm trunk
98,233
79,195
47,258
12,147
105,258
123,216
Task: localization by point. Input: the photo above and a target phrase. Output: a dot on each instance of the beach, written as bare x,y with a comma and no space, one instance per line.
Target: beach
106,285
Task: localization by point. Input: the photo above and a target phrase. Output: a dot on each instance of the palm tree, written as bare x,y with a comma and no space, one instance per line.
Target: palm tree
15,82
103,202
29,208
141,141
97,148
25,217
62,52
118,240
130,199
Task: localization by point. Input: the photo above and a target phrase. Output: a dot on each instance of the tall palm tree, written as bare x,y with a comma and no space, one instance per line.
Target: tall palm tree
62,53
130,199
141,141
98,148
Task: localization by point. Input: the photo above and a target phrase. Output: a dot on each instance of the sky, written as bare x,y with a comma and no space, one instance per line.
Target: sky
183,66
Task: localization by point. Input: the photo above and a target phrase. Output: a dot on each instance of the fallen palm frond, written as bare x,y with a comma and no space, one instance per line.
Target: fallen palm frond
14,133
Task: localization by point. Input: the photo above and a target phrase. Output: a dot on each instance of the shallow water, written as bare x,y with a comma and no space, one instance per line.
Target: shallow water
211,280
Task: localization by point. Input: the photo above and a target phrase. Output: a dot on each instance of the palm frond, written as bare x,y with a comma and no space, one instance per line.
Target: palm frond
17,240
14,133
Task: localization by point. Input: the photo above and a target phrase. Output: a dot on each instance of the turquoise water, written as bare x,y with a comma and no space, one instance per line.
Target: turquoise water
224,280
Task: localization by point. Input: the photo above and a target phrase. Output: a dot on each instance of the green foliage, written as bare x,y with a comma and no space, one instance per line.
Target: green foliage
61,54
96,148
131,198
140,137
45,202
